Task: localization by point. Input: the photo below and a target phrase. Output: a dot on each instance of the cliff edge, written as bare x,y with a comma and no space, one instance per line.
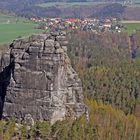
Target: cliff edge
37,81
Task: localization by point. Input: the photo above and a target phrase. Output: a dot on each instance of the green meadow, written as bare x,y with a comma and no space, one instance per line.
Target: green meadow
131,26
12,27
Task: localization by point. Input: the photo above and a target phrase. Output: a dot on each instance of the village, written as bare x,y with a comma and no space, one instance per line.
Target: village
88,24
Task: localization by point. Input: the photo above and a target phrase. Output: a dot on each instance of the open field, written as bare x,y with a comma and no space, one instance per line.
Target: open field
130,21
131,26
12,27
10,19
67,4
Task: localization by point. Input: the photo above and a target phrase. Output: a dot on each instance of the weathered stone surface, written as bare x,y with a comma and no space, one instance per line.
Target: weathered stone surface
37,81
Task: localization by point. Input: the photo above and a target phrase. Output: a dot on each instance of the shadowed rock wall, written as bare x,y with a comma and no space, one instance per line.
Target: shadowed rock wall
40,84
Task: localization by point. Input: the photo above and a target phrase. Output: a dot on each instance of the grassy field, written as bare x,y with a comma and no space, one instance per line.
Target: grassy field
12,27
12,19
50,4
131,26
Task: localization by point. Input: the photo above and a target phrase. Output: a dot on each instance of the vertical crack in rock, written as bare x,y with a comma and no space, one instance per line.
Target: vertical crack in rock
42,84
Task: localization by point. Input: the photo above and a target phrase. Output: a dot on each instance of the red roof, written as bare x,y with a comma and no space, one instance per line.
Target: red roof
73,20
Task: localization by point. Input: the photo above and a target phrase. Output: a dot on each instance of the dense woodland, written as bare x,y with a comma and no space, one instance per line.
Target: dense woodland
109,66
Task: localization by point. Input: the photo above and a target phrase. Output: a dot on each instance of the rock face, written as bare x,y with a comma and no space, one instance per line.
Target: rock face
37,81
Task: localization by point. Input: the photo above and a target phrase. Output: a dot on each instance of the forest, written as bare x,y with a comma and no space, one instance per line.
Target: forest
109,66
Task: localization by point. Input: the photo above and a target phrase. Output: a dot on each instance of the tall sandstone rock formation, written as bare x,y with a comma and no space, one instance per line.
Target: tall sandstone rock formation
37,80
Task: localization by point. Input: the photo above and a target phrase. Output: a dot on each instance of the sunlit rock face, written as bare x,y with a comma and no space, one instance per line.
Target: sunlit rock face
38,82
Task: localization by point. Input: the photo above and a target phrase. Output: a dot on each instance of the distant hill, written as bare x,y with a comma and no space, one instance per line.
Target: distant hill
29,8
30,2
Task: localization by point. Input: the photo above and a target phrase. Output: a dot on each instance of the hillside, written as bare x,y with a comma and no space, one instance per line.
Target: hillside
71,9
108,65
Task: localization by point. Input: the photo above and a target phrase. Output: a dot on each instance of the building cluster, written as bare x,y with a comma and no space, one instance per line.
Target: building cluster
88,24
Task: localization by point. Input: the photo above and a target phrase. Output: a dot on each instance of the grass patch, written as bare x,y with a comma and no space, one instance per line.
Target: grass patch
131,27
12,27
